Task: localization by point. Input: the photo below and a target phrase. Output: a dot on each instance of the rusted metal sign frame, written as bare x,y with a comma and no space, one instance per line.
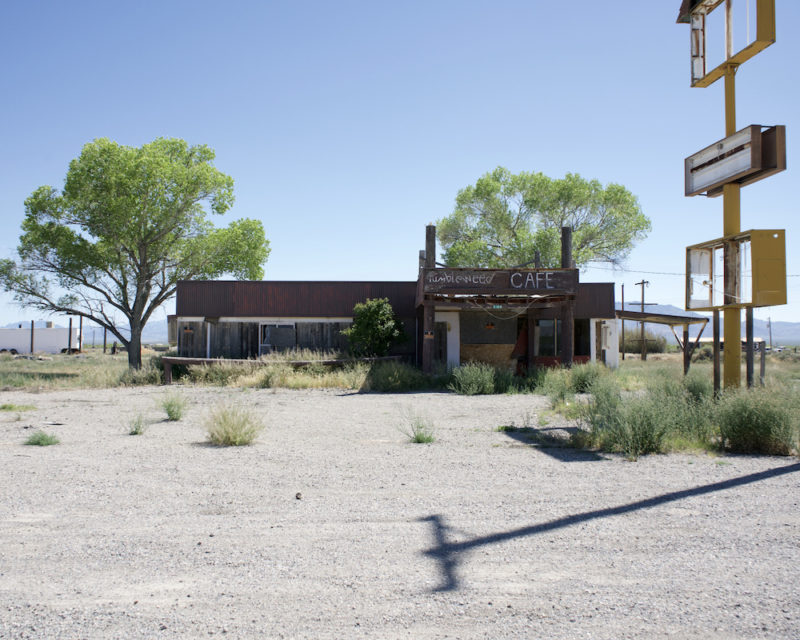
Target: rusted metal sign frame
765,36
768,270
749,155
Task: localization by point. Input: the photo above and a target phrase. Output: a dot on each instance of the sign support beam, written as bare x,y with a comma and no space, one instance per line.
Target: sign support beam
731,224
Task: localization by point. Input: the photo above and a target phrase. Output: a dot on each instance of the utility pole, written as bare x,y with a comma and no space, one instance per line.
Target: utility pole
643,284
769,326
623,321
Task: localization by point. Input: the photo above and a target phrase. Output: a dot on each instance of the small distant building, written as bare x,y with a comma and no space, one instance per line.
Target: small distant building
505,317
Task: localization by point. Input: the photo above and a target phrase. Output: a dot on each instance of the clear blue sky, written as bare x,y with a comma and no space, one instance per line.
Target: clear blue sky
349,126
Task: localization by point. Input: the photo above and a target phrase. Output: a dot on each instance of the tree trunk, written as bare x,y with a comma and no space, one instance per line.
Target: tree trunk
135,347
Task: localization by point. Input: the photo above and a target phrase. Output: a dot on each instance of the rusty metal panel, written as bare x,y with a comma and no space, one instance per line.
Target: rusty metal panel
219,298
595,300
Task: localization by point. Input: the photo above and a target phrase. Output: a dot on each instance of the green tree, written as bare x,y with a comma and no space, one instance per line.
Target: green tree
127,226
375,329
503,218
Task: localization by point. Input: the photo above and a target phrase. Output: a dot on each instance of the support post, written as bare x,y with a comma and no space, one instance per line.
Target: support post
750,353
716,353
687,350
105,339
69,337
531,340
731,208
763,366
567,334
623,322
80,333
568,309
31,337
643,284
429,311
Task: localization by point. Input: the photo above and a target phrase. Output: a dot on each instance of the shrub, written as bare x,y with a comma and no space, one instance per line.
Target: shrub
666,416
395,377
473,378
178,370
148,374
699,386
557,385
137,426
504,381
703,354
232,426
221,374
582,376
758,421
174,405
602,410
42,439
641,428
655,342
375,329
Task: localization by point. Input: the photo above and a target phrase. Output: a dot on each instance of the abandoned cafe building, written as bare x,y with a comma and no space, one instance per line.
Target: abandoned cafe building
511,318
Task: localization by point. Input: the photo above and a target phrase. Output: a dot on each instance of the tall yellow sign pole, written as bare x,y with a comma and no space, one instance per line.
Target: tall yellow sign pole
712,168
731,225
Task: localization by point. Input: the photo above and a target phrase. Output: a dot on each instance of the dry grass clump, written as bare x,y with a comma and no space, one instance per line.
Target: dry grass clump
233,426
417,428
42,439
301,355
312,376
174,405
137,426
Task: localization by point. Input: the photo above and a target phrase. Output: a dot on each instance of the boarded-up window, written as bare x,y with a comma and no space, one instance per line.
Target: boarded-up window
277,337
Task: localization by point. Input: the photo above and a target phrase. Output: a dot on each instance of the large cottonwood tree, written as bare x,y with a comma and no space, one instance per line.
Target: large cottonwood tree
504,218
127,226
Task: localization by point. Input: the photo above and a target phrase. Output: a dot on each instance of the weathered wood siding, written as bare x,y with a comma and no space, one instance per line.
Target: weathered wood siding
234,340
191,339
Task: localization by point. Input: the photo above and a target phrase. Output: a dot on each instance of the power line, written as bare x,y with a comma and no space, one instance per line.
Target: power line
660,273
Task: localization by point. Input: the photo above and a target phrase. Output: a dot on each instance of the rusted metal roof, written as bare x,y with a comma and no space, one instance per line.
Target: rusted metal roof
226,298
661,318
316,299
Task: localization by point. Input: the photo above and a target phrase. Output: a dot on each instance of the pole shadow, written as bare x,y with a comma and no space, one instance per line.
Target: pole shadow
556,447
446,553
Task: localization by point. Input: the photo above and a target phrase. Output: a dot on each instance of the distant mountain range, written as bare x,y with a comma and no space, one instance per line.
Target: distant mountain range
783,333
155,331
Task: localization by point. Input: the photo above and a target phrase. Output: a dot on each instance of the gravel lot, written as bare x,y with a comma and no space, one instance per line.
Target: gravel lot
335,526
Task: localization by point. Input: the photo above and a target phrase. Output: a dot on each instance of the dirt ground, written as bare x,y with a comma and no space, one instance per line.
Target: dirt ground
334,526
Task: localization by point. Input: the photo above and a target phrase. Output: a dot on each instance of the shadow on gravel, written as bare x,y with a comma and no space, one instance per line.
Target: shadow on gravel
446,553
543,440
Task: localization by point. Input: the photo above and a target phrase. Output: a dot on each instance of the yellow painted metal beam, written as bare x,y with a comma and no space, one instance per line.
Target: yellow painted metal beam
731,224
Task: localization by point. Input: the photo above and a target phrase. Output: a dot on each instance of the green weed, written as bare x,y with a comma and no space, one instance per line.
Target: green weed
16,407
418,428
174,405
42,439
759,421
137,426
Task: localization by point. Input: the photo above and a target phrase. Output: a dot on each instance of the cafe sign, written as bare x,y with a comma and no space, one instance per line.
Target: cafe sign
501,281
